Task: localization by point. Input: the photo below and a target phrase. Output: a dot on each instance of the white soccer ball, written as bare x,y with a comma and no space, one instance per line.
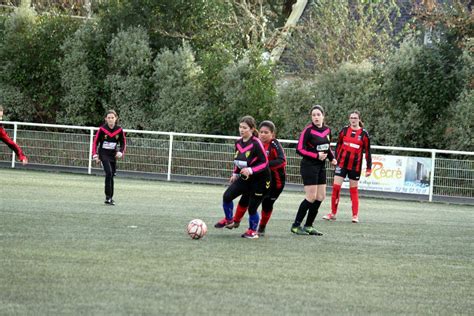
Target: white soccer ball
197,229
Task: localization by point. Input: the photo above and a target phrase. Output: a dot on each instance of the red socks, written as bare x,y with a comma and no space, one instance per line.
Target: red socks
265,217
355,200
336,193
239,213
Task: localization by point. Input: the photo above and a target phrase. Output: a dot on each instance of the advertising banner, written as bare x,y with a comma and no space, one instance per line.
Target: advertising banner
397,174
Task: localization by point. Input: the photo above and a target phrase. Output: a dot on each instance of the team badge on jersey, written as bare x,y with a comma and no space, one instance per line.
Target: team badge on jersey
247,154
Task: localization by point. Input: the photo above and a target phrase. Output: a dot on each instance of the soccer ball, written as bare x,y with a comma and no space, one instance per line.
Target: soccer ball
197,229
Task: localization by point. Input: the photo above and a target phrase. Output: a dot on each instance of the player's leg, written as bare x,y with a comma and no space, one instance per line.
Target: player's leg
314,208
267,208
241,209
237,188
354,191
339,175
108,181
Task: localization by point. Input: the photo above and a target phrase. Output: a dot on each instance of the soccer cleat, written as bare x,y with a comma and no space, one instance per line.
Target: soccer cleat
251,234
232,224
221,224
355,219
312,231
261,231
298,230
109,202
330,217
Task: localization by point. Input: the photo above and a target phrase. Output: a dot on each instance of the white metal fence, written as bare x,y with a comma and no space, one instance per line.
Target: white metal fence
199,156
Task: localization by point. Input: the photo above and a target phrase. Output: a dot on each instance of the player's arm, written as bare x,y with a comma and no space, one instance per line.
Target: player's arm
280,154
260,159
122,142
95,144
368,154
301,148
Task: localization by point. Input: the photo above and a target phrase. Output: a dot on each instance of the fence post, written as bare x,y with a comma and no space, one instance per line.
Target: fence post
170,157
91,144
15,128
433,161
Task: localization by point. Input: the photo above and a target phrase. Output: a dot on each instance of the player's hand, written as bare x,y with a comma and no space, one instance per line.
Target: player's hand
368,173
334,162
322,156
118,155
246,172
24,161
233,178
96,159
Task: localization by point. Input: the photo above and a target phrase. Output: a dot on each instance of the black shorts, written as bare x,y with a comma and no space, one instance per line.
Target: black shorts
313,173
343,172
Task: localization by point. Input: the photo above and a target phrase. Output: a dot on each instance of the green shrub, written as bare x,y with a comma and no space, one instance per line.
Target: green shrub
82,76
178,98
128,80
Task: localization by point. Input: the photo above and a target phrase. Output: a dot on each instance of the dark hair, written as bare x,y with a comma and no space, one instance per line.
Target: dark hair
316,107
268,124
361,124
250,121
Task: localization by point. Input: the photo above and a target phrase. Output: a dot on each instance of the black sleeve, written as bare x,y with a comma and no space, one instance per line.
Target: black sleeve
280,154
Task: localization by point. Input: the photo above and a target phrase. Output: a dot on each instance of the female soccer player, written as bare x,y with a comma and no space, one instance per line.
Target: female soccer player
110,141
251,176
10,143
353,140
277,163
314,146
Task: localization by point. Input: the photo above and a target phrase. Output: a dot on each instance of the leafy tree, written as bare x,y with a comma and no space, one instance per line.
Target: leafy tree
334,32
128,81
83,72
178,99
30,52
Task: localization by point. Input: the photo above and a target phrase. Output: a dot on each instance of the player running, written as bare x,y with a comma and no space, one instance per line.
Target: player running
251,176
353,140
277,162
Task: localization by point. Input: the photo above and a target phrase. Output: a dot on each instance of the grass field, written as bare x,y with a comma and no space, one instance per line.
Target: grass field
64,252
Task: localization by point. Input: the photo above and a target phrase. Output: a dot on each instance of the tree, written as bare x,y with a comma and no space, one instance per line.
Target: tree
128,80
178,99
334,32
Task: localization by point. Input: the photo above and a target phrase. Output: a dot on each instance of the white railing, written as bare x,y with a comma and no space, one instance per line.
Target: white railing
198,155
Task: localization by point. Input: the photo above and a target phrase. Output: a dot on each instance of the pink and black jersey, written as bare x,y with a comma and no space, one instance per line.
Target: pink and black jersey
314,140
250,154
10,143
350,147
108,141
276,161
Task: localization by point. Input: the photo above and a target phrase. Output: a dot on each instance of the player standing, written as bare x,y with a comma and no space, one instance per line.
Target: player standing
10,143
314,147
251,176
110,142
353,141
277,162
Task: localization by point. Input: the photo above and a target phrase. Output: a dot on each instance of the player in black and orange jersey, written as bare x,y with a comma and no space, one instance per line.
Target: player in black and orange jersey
10,143
352,143
251,176
109,145
314,147
277,163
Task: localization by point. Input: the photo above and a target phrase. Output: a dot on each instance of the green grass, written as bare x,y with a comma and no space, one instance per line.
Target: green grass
64,252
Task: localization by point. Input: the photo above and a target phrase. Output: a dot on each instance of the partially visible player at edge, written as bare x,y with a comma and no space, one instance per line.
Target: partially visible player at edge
10,143
277,163
110,142
251,176
352,141
314,147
